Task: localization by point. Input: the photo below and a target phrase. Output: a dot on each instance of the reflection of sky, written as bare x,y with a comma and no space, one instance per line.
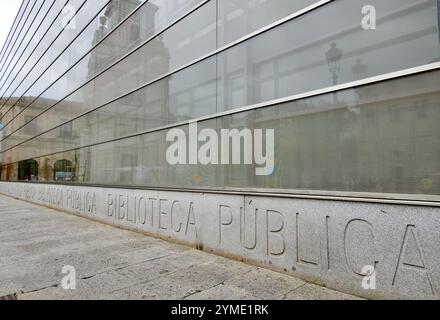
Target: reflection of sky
8,12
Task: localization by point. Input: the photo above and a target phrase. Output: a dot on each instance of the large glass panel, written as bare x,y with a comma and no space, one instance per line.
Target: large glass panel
15,89
72,45
151,19
85,11
183,42
170,100
238,18
255,72
380,138
326,48
105,53
82,42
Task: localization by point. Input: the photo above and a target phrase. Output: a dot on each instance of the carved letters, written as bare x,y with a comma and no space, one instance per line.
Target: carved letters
310,239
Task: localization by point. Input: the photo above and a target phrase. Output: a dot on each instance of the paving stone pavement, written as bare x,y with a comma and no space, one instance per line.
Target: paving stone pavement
37,242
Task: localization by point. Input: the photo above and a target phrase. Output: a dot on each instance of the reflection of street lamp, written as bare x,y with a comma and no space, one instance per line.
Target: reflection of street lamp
334,57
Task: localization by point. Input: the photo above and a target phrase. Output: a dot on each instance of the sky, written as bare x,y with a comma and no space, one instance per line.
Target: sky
8,11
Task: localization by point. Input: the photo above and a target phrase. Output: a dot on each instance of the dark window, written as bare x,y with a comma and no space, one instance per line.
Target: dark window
28,170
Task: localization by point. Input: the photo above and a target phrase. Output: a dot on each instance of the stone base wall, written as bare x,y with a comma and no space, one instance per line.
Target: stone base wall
332,243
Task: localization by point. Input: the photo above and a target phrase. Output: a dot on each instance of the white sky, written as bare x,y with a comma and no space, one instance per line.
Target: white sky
8,11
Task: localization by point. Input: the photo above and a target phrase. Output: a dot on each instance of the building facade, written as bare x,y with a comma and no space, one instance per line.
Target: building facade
89,91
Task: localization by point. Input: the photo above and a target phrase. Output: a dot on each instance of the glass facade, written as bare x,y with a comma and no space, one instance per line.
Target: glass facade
352,109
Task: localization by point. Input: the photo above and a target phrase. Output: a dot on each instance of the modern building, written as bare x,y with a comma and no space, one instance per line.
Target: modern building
90,91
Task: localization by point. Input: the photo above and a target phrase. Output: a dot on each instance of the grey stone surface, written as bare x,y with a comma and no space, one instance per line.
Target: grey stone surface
265,283
319,241
313,292
223,292
111,263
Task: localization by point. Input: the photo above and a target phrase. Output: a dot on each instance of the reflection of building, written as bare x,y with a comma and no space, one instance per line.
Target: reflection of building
262,68
51,142
126,38
1,138
352,160
77,165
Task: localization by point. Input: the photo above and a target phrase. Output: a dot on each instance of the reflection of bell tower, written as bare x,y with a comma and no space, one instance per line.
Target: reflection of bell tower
123,37
147,108
117,10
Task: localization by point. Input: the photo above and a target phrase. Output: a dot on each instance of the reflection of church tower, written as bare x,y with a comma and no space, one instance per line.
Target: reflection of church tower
117,10
123,38
147,107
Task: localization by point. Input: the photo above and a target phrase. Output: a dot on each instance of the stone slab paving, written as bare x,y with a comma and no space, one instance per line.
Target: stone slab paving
110,263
